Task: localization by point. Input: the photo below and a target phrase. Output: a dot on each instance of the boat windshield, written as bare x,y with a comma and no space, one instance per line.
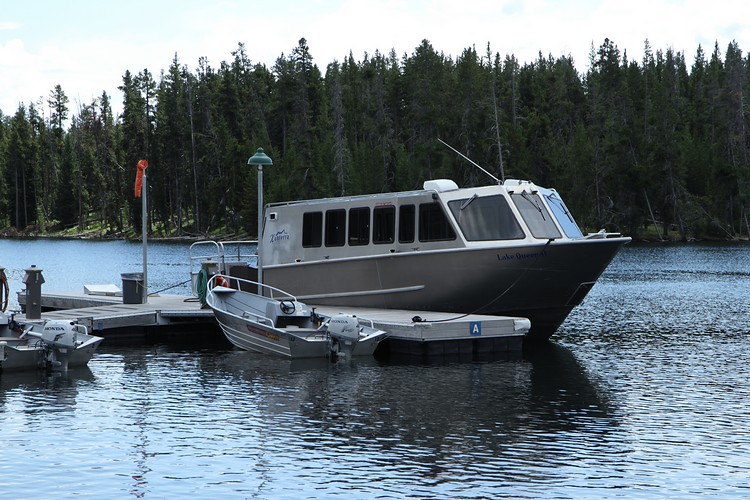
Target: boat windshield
486,218
535,215
561,213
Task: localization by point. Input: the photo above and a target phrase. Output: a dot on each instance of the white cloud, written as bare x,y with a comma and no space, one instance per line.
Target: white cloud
89,51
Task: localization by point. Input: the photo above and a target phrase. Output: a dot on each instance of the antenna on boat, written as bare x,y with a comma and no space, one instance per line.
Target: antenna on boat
470,160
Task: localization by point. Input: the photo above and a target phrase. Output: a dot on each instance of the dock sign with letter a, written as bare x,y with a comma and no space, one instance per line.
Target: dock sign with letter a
475,328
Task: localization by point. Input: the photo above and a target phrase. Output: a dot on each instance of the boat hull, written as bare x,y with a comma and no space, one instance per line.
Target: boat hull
20,354
252,336
541,282
293,342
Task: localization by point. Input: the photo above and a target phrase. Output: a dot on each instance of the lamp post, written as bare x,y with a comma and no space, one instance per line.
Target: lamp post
259,159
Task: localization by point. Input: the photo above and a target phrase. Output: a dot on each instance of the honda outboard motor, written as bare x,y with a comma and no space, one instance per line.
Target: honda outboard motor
60,334
344,332
60,338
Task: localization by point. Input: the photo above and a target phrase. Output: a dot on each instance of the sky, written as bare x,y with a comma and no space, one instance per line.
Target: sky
86,47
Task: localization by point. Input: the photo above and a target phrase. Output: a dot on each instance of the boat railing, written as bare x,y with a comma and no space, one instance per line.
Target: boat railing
253,287
216,254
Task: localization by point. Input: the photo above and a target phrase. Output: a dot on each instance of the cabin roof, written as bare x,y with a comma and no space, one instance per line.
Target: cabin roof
389,197
343,199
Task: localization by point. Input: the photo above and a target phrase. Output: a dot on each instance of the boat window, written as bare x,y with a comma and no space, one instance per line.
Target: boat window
335,228
312,229
486,218
383,224
535,214
433,224
561,213
359,226
406,223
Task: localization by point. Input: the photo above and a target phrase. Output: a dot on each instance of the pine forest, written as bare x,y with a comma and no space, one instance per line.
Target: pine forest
654,146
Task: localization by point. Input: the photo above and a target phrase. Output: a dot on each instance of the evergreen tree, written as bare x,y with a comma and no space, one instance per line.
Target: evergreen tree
4,202
137,126
737,137
172,191
68,188
21,155
426,76
607,123
53,146
631,145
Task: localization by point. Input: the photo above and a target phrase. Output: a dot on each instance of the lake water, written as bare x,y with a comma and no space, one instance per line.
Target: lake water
645,392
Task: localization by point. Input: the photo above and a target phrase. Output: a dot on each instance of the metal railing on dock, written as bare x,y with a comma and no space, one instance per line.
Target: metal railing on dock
213,256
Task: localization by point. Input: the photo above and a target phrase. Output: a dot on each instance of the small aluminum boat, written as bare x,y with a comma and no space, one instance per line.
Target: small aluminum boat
54,345
275,322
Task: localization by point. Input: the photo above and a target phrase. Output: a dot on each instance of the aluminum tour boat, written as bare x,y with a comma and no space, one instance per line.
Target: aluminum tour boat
511,248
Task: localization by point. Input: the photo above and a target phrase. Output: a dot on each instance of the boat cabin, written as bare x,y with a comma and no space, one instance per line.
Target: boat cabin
441,216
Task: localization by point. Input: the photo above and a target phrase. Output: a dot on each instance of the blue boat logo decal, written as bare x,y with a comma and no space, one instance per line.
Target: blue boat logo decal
280,236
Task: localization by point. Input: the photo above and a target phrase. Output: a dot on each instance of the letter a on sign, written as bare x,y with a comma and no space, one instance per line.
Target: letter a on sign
475,328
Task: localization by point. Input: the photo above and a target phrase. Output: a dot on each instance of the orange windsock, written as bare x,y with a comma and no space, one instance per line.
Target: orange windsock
142,166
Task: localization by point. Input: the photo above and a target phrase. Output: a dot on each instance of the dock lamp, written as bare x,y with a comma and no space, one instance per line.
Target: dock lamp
259,159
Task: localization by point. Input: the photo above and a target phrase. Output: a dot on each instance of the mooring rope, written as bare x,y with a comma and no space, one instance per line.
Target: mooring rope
170,287
4,291
201,286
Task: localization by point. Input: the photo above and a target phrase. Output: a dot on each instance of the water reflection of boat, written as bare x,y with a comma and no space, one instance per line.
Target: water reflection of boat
53,345
504,420
32,380
510,249
557,376
546,388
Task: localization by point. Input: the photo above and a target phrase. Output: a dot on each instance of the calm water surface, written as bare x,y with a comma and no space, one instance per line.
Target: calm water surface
645,392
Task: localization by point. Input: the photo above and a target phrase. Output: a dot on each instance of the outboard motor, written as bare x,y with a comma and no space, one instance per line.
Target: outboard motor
344,332
60,334
61,339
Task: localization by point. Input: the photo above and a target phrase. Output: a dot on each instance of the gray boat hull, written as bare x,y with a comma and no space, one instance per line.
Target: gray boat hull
243,318
251,336
540,282
29,354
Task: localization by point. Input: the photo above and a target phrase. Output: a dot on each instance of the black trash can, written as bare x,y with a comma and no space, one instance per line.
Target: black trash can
132,288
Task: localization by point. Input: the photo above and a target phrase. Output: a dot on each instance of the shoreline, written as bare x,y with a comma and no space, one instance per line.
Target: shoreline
187,238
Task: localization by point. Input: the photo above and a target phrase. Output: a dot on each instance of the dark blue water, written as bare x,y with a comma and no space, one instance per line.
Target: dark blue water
643,394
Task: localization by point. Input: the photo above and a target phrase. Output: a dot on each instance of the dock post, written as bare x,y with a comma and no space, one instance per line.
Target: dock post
259,159
144,231
33,281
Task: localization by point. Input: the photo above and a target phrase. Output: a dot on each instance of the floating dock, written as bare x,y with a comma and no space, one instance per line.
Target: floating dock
108,317
430,333
412,333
